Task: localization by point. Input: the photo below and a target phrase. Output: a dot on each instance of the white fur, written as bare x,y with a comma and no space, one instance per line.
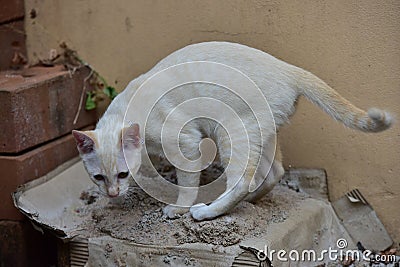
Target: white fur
280,83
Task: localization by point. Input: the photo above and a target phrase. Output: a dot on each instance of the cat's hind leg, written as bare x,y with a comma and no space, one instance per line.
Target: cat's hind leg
268,175
238,182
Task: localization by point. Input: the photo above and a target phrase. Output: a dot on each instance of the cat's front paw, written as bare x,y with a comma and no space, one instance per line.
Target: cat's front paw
173,212
201,212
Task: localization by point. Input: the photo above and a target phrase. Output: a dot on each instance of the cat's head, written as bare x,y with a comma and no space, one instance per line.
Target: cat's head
105,156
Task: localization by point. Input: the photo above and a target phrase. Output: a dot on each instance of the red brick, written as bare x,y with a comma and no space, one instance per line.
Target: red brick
12,45
11,10
39,104
17,170
21,245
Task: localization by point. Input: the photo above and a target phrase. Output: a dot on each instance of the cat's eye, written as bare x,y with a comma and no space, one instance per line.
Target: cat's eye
99,177
123,175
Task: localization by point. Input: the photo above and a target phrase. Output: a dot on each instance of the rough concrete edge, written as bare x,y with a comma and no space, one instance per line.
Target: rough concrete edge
25,187
336,206
226,256
314,206
200,251
296,176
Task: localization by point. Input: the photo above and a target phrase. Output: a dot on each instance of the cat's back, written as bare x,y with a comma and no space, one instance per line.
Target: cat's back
274,77
235,55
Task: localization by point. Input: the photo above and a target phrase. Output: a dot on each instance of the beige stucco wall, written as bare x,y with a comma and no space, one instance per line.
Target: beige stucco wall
352,45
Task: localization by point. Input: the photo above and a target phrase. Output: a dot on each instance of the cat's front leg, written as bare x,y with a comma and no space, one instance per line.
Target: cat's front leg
173,211
188,183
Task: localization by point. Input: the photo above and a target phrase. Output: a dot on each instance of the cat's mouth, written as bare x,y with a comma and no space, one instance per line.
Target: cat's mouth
116,193
113,192
112,195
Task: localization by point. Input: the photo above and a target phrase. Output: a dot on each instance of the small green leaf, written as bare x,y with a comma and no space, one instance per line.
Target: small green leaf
90,104
110,92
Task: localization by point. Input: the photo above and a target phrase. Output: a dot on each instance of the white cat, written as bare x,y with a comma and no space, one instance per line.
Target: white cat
280,83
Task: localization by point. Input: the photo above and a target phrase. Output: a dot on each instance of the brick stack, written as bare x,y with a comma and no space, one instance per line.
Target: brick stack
37,113
37,110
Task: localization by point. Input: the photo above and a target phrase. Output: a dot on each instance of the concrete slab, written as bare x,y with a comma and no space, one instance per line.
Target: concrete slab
136,234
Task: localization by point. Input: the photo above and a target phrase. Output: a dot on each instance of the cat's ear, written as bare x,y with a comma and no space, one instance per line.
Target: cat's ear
131,136
85,141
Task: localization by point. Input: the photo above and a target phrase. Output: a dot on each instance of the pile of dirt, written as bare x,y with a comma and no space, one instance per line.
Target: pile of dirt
139,218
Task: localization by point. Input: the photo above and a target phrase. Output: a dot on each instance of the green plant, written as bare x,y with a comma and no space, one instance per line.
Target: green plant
102,88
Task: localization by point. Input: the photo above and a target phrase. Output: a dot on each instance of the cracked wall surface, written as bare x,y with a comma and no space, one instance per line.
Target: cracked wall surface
352,45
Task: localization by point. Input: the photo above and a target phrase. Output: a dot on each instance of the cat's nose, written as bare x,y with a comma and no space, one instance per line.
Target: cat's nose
113,191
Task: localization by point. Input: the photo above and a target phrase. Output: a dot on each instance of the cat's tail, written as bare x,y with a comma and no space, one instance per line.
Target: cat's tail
319,93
